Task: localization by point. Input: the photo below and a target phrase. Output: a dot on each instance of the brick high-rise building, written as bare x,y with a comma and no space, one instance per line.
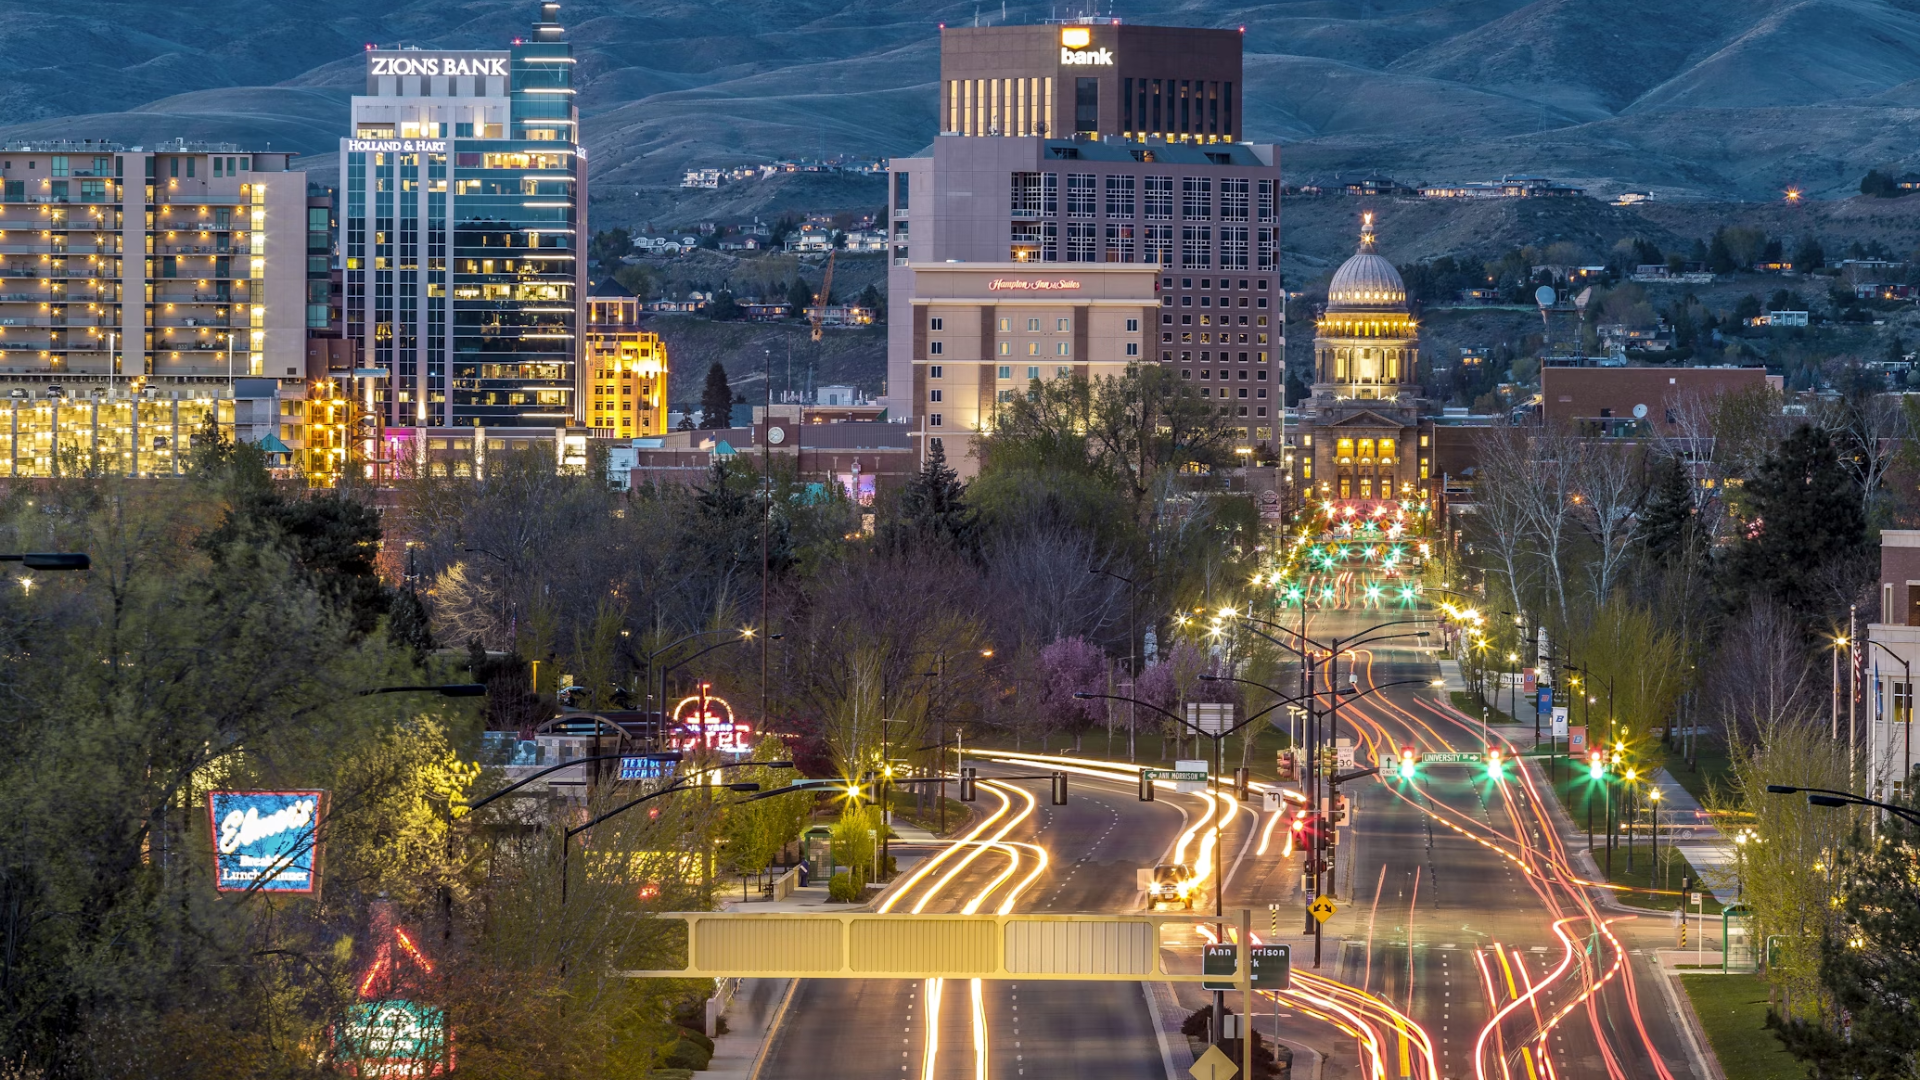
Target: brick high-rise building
1067,150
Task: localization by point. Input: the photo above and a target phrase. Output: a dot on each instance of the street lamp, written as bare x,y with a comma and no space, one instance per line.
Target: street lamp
1830,797
444,690
746,635
52,560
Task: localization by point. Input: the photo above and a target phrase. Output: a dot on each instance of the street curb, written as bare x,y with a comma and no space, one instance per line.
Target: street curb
773,1029
1159,1029
1682,1005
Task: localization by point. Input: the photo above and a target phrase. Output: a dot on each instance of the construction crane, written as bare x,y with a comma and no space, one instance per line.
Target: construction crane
818,313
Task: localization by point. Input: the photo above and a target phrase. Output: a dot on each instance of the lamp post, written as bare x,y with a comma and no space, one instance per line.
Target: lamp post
1133,638
746,635
1653,799
1830,797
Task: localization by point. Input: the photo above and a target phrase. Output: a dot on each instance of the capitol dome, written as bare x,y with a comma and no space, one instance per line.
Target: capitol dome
1367,281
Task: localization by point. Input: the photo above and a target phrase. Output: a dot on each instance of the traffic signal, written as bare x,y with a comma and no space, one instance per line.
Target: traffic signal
1059,789
969,784
1596,764
1494,764
1339,809
1243,784
1146,785
1406,763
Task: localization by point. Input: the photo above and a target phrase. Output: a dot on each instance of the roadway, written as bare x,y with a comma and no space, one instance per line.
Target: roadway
878,1029
1468,944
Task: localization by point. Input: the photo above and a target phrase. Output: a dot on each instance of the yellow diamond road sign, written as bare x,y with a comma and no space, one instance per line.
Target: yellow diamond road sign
1322,909
1214,1065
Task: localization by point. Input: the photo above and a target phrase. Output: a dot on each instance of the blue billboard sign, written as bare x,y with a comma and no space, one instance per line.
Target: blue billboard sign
265,840
648,767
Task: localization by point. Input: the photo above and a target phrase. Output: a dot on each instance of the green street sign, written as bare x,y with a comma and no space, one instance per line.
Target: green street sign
1219,960
1452,757
1174,775
1272,966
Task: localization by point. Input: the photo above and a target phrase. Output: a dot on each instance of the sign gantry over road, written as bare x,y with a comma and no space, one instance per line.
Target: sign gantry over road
862,945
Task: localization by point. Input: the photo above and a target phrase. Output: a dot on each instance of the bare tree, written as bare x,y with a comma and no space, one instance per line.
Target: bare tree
1041,578
1611,484
1553,477
1501,485
1761,676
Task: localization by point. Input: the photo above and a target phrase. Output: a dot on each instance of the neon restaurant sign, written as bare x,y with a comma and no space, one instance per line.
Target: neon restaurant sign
265,841
705,722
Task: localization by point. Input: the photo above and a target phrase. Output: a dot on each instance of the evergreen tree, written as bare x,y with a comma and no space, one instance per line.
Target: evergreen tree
1870,964
1670,534
1809,256
871,299
1719,255
933,508
799,298
1803,518
408,627
716,399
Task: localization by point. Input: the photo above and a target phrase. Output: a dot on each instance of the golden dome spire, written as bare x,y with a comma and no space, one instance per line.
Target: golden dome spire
1366,231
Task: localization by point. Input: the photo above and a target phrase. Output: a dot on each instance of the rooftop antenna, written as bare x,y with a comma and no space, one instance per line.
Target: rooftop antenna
976,16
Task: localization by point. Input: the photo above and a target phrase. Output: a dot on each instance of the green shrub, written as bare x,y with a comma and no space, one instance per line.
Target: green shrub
696,1036
841,889
670,1074
687,1054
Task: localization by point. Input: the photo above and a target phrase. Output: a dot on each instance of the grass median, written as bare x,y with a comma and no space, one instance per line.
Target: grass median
1733,1011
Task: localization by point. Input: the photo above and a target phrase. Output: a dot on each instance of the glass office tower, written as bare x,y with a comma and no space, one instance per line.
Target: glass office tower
465,201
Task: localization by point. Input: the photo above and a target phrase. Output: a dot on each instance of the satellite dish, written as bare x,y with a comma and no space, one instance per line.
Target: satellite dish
1639,412
1544,296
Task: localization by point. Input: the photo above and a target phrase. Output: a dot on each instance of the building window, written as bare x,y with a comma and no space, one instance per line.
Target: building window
1133,348
936,323
935,371
1063,373
1081,242
1119,242
1033,326
1006,348
1196,197
1026,194
935,419
933,395
1269,252
1033,373
1233,247
1159,247
1120,196
1061,326
1133,326
1086,105
1081,198
1063,348
1196,247
1033,348
1233,199
1266,205
935,348
1006,324
1158,196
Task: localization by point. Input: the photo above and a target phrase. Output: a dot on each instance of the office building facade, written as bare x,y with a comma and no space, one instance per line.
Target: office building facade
139,288
626,366
1190,202
1091,78
465,205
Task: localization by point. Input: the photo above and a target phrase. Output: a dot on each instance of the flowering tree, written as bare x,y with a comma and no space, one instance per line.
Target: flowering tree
1068,666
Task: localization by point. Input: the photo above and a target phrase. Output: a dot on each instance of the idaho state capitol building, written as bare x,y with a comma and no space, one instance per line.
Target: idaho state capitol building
1360,435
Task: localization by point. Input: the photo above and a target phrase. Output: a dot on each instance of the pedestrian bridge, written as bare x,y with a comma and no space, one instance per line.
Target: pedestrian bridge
862,945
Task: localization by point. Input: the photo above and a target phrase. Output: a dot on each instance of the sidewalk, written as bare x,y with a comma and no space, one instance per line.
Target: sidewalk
1713,858
756,1007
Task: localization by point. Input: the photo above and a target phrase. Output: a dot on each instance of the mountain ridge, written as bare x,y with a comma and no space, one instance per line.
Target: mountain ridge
1693,98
